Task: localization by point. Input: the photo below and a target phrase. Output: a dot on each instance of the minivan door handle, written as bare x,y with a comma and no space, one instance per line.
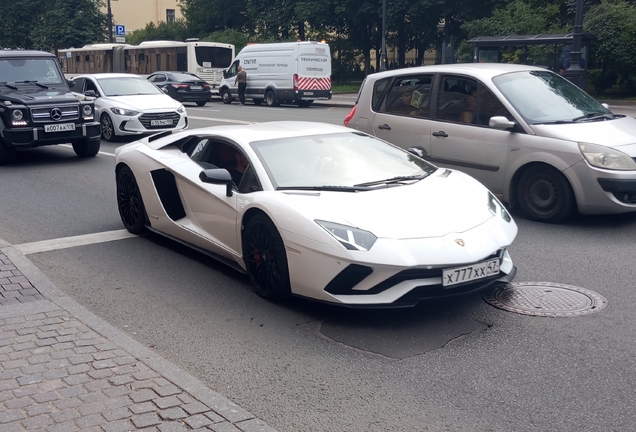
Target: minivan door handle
384,126
440,134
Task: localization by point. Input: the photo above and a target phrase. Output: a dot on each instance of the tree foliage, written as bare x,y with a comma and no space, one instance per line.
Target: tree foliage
177,30
51,24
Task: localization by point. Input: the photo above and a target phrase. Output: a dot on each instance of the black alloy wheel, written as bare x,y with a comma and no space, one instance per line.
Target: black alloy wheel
545,195
86,148
7,154
108,130
265,258
129,202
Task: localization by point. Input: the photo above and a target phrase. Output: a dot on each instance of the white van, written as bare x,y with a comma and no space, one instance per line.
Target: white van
286,72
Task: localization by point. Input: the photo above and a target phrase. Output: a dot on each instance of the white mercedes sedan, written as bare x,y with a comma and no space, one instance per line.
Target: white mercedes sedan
127,104
318,211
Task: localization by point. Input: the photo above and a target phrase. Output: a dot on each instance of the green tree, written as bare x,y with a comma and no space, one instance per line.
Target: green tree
613,22
176,31
208,16
69,23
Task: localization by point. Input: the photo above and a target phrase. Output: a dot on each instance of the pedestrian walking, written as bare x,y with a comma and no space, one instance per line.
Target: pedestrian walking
241,79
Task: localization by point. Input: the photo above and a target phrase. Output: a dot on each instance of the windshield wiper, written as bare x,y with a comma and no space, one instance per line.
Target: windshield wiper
33,82
325,188
392,180
594,116
8,85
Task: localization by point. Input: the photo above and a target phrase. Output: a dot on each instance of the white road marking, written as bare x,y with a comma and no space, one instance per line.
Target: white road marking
101,152
68,242
222,120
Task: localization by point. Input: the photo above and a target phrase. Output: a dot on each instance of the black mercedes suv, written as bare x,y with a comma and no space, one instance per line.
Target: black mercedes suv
37,107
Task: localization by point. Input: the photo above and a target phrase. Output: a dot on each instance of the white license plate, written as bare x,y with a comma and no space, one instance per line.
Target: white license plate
309,93
59,127
167,122
469,273
195,87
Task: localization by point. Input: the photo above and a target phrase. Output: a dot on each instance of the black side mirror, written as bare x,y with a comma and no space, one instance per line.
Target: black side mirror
225,74
70,83
218,176
90,93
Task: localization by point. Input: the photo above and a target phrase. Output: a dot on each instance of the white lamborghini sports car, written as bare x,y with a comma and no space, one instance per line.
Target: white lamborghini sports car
318,211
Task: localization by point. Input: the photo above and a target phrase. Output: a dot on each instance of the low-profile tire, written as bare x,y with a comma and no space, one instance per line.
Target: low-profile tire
304,103
270,98
129,202
545,195
201,103
265,258
226,97
7,154
108,130
86,148
258,101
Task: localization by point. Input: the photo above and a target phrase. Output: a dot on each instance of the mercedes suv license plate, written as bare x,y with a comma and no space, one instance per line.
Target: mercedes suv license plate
166,122
59,127
469,273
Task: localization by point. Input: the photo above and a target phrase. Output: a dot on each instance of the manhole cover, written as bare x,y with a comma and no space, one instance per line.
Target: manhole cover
545,299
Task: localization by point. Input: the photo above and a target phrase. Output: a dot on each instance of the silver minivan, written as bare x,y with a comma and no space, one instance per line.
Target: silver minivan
529,135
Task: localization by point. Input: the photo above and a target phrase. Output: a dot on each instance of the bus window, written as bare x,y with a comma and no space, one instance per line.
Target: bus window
213,57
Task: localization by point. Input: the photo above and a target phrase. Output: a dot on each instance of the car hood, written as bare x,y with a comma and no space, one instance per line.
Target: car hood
617,133
37,95
159,102
433,207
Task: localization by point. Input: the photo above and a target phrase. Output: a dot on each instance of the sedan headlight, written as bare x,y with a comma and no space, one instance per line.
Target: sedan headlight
606,157
497,208
124,112
350,237
181,110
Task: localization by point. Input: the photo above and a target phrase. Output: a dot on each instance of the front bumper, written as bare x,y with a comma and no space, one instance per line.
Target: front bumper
141,124
601,191
30,137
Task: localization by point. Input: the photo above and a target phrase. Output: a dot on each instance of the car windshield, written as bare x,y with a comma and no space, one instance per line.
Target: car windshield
127,86
545,97
39,70
344,160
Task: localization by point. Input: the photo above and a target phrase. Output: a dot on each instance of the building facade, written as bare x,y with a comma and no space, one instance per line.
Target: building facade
136,14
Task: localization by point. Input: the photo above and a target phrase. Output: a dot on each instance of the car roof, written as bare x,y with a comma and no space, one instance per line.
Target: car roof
109,75
482,70
24,53
244,134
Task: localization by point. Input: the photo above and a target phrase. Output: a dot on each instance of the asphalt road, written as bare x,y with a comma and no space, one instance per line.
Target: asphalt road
454,365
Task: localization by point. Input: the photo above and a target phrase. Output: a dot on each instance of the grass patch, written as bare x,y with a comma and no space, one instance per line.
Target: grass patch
345,88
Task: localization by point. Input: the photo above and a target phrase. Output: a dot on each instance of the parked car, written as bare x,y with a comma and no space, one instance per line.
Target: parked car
182,86
532,137
319,211
37,107
127,104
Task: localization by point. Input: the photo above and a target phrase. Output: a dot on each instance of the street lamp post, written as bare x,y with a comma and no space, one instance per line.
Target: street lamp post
383,48
110,24
576,73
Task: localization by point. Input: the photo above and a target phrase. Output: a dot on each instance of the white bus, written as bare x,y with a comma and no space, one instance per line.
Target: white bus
208,60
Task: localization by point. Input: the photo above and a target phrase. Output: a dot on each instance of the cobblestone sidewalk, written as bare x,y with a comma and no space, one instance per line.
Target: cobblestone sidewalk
58,373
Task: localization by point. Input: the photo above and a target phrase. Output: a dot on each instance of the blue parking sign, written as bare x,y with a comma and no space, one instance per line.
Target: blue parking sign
120,30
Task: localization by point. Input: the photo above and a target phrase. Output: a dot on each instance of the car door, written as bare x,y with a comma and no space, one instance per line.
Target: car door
211,214
460,135
231,76
402,111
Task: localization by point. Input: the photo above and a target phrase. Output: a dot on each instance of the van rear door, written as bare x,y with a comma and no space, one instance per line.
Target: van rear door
313,78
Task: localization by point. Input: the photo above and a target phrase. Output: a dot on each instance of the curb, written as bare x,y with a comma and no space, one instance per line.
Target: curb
54,299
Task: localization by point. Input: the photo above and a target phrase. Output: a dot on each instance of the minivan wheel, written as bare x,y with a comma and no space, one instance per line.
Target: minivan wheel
545,195
225,96
201,103
270,98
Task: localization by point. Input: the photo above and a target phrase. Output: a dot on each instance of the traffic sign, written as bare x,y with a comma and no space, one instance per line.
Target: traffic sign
120,39
120,30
